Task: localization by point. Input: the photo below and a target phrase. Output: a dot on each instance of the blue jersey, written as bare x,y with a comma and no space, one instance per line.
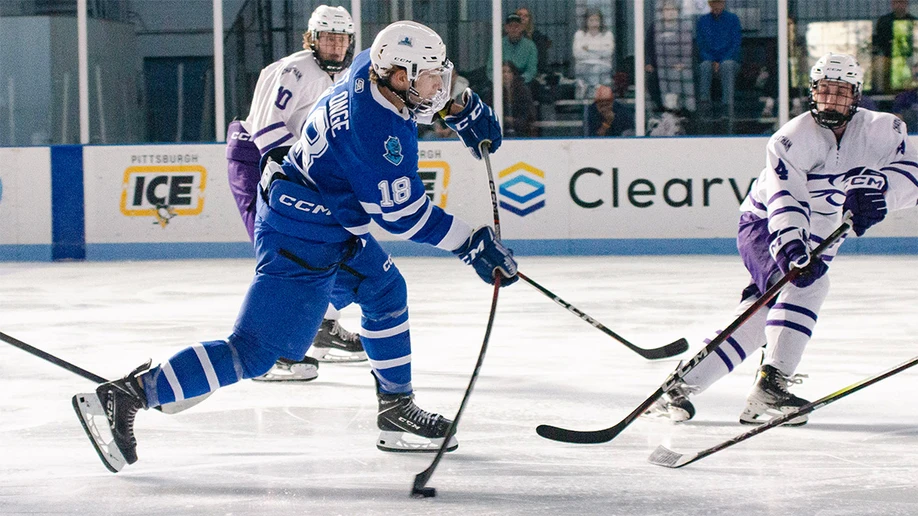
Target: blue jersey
358,156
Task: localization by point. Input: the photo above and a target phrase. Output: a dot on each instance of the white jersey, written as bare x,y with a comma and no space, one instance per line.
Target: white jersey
802,188
285,93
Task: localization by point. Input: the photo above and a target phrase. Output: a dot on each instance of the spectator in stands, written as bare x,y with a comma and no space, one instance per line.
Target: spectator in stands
542,42
905,105
669,47
519,108
607,116
718,37
593,48
892,48
522,52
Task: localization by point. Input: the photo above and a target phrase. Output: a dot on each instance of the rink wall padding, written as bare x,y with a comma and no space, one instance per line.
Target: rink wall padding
615,196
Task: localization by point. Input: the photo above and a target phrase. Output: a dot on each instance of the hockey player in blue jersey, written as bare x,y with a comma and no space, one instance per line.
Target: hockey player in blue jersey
355,162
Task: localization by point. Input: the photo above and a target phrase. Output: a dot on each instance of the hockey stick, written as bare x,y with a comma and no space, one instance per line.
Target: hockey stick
169,408
79,371
663,456
418,490
669,350
607,434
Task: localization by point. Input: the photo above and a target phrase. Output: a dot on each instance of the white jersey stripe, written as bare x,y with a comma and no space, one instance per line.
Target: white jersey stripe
208,367
388,364
381,334
173,381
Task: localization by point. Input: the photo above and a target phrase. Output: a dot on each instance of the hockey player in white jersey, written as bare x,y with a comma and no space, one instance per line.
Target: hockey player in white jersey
286,91
833,160
356,162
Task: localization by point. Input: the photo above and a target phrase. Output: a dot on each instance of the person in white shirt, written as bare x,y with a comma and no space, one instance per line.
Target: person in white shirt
593,48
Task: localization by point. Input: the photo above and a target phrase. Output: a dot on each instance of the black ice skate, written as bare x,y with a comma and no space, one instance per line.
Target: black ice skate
335,344
405,427
674,404
289,371
770,397
107,416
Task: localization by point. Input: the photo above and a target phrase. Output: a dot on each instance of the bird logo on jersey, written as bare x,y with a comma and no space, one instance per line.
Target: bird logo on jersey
393,151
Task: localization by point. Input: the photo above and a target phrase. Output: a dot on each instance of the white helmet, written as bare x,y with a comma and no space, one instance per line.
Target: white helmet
836,67
337,21
421,52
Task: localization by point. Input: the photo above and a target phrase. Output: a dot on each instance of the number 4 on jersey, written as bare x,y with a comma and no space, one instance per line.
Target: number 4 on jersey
781,170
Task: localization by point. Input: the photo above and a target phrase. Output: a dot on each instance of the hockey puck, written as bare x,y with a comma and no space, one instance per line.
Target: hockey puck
423,492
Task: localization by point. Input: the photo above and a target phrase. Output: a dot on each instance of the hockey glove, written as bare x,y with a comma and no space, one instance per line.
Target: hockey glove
794,255
867,206
475,124
488,255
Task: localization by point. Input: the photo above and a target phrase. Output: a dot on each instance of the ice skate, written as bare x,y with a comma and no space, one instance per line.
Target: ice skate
770,398
107,416
405,427
289,371
335,344
674,405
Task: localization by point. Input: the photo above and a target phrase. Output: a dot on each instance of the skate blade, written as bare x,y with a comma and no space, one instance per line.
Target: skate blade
764,415
405,442
296,373
674,415
328,355
89,410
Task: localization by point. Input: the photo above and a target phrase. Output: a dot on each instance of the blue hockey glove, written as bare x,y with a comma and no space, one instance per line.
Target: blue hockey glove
866,206
475,124
794,255
488,255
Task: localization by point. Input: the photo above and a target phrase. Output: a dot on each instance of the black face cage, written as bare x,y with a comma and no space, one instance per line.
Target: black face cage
832,119
327,65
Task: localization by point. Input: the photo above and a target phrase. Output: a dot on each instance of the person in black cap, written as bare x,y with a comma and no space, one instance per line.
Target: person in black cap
520,51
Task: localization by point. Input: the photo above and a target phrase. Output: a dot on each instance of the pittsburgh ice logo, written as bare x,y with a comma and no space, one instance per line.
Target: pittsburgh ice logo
163,192
522,190
393,151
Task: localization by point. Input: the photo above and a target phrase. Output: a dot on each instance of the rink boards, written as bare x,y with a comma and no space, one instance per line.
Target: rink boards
557,197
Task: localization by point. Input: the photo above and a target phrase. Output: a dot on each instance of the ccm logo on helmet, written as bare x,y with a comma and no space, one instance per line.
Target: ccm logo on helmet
306,206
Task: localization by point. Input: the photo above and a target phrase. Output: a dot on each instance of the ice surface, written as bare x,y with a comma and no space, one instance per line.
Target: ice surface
275,449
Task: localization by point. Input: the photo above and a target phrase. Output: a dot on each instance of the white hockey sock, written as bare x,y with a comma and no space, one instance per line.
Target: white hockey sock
790,324
741,344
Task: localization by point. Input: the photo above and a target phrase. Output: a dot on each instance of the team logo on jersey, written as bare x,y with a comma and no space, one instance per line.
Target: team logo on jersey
435,176
406,41
163,191
393,151
522,190
358,85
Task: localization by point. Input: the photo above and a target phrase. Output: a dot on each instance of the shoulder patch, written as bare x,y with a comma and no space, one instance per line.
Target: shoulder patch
393,151
897,125
358,85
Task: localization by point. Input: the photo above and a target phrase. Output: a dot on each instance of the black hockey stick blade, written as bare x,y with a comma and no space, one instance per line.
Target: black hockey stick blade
670,350
607,434
599,436
663,456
